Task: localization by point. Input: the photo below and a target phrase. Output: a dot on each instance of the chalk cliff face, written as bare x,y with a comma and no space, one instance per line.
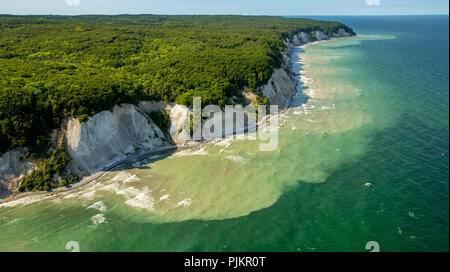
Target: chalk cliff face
296,39
108,136
301,38
305,37
320,36
13,167
280,88
111,135
341,33
178,117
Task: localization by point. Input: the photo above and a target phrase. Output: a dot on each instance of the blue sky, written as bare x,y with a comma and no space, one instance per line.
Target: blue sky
249,7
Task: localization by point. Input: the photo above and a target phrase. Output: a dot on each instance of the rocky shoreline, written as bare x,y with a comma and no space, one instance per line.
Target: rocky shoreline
125,134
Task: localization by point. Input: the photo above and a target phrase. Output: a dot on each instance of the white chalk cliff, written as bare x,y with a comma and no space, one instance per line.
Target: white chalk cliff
110,136
341,33
281,86
320,36
13,167
304,38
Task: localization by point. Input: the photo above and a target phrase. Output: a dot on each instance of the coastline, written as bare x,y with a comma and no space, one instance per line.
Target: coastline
97,175
292,103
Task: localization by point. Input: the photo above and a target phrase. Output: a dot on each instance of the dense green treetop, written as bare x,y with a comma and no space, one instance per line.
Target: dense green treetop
52,67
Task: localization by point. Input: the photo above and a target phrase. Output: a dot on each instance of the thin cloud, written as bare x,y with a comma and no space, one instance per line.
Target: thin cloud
373,2
73,2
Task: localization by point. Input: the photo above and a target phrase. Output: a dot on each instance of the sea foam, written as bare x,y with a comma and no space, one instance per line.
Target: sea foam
237,159
132,178
98,219
143,201
186,202
25,201
100,206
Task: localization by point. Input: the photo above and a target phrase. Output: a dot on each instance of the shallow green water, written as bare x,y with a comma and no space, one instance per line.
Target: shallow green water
366,159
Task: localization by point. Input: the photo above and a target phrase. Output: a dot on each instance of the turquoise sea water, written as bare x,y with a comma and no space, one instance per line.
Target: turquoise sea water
366,159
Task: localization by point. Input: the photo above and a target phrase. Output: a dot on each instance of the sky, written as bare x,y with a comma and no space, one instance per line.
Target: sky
245,7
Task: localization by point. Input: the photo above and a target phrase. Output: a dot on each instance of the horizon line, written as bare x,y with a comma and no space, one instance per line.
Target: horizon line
218,14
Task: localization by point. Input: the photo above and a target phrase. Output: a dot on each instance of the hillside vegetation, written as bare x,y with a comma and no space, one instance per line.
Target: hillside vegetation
52,67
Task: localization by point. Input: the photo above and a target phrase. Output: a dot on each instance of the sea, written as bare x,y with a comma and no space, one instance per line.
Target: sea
362,159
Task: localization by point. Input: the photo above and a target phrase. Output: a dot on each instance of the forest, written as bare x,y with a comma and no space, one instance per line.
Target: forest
52,67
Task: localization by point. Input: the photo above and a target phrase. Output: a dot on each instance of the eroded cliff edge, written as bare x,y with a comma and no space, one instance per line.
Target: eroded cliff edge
109,137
